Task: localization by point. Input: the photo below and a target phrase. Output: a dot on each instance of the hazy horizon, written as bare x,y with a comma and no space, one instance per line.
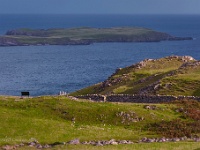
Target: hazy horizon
100,7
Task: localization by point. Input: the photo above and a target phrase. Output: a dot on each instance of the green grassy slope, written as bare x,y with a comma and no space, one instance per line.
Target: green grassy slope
52,119
60,119
173,75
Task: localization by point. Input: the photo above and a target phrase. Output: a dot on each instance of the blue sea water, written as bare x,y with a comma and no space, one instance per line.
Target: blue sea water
46,70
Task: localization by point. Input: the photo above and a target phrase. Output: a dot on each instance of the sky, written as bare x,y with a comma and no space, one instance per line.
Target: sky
100,6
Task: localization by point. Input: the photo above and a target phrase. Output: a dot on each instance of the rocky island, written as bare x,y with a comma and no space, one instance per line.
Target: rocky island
83,36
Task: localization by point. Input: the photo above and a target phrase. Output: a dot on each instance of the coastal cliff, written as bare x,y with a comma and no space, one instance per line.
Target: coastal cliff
83,36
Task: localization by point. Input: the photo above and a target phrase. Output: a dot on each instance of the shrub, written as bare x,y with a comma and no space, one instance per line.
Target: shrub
189,109
176,128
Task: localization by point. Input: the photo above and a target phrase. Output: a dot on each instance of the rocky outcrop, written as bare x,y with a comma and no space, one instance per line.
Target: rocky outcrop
6,41
190,65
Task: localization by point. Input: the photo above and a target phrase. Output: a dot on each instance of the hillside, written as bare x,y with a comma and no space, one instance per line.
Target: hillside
173,75
65,122
56,120
83,36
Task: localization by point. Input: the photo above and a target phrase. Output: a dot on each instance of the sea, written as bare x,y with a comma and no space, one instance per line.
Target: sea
47,70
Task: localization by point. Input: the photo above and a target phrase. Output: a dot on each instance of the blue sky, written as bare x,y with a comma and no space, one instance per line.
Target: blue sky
100,6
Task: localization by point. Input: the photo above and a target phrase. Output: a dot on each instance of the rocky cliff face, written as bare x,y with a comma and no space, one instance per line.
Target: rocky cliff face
5,41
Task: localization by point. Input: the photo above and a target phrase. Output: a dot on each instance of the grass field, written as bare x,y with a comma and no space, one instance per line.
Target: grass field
51,119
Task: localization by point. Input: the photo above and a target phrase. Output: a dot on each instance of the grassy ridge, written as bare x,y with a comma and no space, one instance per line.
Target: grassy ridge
175,75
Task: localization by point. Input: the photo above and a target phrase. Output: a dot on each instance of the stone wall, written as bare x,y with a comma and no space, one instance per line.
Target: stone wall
94,97
136,98
140,98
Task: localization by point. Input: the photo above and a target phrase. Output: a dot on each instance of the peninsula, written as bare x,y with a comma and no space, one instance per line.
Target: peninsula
172,75
83,36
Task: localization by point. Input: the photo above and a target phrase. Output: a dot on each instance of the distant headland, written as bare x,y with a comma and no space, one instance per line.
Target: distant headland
83,36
